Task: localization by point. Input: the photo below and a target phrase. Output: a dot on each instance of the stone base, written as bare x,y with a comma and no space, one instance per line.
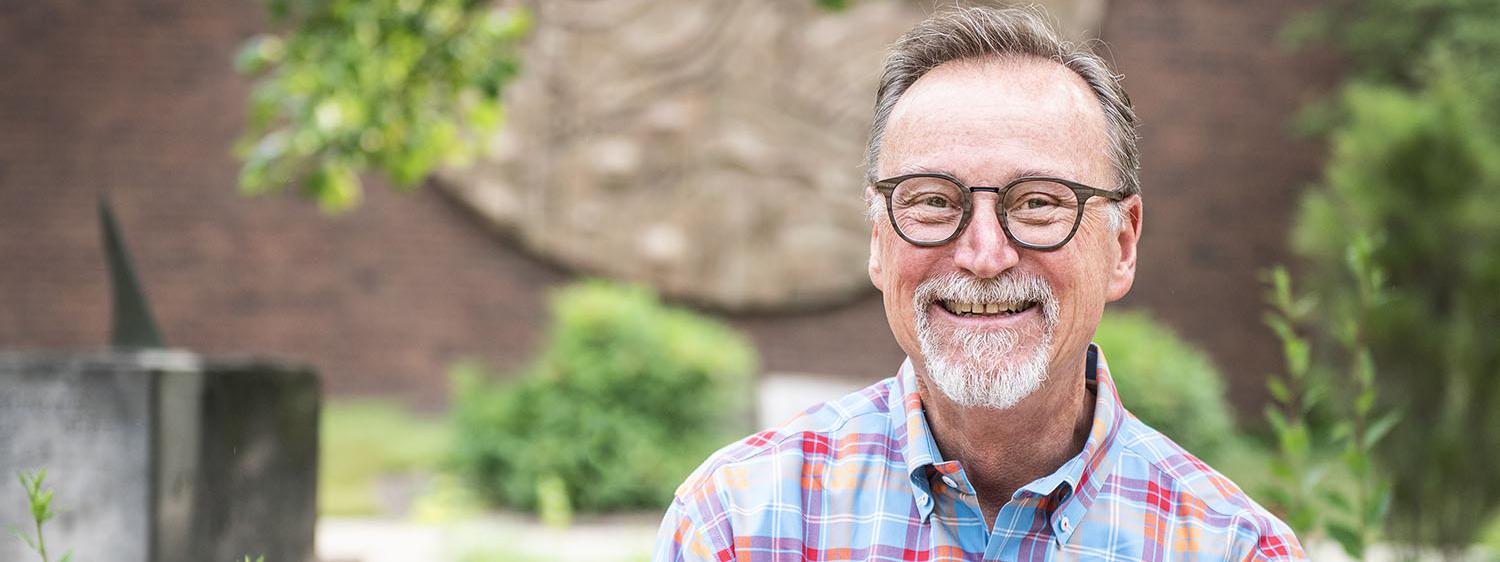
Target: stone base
161,456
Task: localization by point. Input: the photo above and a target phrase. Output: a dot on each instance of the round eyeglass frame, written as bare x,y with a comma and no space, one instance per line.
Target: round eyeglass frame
1083,192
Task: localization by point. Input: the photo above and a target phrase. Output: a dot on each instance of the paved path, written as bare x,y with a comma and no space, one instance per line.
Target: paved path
493,538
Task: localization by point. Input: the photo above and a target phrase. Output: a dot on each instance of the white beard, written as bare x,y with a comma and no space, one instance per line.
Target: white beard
985,368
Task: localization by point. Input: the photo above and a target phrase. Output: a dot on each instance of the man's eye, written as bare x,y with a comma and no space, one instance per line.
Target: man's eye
1036,203
937,201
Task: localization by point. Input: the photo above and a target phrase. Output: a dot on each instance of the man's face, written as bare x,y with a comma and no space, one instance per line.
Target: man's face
986,123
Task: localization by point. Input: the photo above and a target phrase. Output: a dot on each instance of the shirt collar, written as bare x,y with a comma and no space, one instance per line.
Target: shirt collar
1075,484
915,438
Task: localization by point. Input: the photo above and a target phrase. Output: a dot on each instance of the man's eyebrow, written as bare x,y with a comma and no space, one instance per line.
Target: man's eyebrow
905,169
1043,172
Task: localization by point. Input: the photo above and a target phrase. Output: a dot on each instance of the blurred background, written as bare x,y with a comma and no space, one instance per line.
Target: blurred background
472,218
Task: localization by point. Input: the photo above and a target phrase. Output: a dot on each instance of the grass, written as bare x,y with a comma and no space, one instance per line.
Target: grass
364,441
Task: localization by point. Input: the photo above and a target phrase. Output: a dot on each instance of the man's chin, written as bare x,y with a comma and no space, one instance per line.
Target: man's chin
986,346
1000,382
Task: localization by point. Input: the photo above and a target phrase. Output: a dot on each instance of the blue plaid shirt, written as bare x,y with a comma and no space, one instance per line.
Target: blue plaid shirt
862,479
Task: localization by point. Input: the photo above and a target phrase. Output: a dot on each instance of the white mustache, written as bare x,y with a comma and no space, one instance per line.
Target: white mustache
1013,286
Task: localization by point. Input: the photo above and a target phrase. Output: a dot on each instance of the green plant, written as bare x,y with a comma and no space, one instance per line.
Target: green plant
395,86
1415,166
39,500
1419,172
1354,515
1390,41
1167,382
1297,392
626,399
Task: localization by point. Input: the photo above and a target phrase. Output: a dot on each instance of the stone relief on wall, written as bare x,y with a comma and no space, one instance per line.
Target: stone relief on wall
710,148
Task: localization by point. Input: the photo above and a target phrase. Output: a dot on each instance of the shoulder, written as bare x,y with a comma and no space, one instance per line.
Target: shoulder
860,420
755,489
1200,495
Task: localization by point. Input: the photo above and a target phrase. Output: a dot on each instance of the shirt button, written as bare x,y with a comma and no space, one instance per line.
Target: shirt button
949,481
1064,524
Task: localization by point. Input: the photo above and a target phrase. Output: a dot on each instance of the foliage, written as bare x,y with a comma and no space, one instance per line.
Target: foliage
1167,382
626,399
1414,172
1297,392
1354,515
1391,41
1418,171
394,86
365,440
39,500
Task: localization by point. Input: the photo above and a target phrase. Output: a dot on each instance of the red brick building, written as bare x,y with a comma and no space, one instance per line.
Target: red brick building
139,99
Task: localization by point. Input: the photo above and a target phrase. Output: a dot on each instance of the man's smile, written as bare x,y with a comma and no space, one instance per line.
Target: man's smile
987,314
987,308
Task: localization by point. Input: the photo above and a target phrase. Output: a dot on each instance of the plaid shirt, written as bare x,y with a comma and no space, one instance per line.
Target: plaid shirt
862,479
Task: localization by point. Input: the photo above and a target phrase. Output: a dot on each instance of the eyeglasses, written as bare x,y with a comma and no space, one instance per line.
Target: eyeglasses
1036,212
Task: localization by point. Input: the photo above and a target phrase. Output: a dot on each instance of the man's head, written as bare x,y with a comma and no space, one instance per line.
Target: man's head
987,97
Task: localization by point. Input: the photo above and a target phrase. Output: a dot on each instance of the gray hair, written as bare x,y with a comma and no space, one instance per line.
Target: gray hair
981,32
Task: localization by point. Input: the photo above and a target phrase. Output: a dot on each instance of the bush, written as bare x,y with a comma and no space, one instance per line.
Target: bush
1414,169
625,401
1167,383
1419,173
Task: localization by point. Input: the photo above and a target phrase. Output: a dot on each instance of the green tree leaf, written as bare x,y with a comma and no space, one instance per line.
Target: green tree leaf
386,86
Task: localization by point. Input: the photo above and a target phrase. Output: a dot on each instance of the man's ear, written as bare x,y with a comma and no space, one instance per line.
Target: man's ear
875,255
1122,276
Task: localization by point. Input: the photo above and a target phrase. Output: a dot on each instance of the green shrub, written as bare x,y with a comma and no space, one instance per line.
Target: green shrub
1414,171
1419,174
1167,383
626,399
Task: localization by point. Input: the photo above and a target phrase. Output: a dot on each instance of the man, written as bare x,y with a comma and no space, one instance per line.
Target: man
1006,206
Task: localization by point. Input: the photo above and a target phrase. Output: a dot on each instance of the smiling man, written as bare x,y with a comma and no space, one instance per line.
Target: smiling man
1006,204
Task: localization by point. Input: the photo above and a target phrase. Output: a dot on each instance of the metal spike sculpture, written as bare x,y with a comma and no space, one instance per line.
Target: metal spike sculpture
133,325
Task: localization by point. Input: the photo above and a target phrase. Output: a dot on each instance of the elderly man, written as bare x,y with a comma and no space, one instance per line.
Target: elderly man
1006,202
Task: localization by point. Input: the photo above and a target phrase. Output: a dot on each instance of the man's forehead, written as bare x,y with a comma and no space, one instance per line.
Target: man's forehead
1033,108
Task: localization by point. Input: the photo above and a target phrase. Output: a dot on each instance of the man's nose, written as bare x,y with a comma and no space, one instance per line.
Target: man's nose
983,249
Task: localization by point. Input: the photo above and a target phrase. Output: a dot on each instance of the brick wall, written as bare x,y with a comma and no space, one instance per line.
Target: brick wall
138,99
1220,169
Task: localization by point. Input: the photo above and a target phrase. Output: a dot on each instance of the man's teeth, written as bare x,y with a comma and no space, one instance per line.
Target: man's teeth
985,308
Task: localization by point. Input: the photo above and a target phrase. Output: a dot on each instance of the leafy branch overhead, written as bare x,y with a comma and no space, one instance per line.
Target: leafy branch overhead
395,87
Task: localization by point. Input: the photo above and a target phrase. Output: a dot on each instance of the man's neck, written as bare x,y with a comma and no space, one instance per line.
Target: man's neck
1002,450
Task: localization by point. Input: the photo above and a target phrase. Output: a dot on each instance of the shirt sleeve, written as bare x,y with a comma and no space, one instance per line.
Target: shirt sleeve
1269,540
1277,548
681,539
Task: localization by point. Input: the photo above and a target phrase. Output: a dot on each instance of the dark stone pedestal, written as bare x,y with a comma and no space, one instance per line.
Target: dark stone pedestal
161,456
